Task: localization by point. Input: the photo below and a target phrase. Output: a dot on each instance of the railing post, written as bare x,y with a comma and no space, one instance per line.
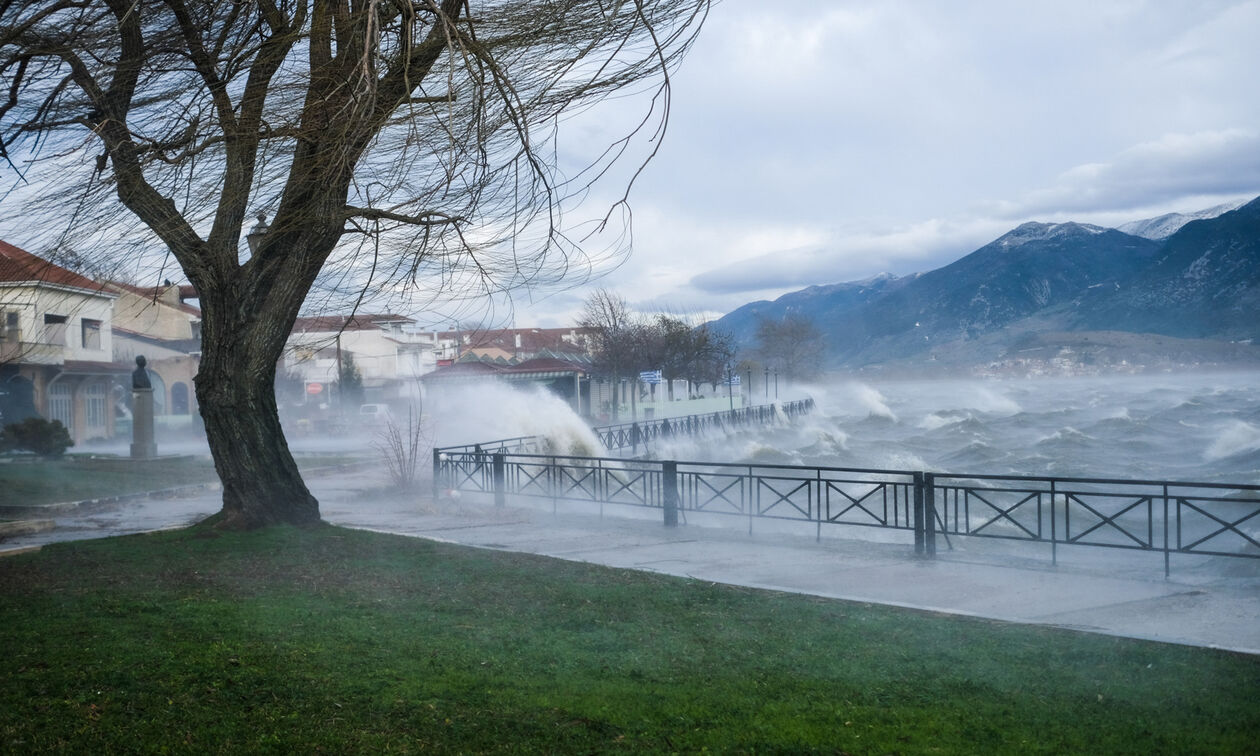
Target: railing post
634,438
919,535
1167,564
1054,526
929,515
553,475
481,466
500,490
669,493
437,473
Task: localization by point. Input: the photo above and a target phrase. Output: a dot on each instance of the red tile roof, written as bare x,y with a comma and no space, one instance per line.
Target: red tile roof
334,323
19,266
537,367
532,339
155,293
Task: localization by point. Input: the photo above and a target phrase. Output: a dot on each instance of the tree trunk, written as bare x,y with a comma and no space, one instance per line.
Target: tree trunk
236,390
261,482
616,399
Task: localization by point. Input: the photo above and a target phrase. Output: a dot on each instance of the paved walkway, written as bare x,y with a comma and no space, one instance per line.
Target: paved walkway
1207,601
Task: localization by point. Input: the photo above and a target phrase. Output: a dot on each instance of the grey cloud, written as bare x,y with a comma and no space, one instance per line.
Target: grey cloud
854,256
772,271
1210,163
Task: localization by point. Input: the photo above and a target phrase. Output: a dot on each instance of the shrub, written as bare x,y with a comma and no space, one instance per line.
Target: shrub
403,448
47,438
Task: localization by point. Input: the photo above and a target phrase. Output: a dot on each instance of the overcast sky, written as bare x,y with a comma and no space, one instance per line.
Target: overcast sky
819,141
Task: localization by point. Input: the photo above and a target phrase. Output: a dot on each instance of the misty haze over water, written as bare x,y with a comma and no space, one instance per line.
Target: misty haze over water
1183,427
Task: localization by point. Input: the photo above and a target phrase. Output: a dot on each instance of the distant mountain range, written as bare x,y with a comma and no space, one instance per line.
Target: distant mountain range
1187,276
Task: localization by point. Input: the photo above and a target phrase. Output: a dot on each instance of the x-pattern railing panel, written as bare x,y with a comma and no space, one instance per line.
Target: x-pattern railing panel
467,471
1186,508
1106,523
1003,514
577,478
781,491
706,489
627,487
851,502
531,479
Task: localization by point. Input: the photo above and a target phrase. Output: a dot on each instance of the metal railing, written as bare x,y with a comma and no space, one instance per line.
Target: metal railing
1163,516
1206,519
632,437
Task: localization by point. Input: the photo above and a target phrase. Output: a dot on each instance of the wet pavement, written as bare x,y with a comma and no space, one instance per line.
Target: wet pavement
1206,601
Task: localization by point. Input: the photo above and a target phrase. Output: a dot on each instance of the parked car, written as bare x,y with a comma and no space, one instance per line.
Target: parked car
375,414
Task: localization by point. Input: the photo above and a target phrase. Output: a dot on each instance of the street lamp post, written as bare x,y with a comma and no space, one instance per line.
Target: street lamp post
776,383
256,234
766,382
729,398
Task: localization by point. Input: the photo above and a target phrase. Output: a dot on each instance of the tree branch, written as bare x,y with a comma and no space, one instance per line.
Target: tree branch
432,218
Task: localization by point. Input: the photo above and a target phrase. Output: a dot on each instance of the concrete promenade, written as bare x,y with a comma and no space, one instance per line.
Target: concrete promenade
1207,601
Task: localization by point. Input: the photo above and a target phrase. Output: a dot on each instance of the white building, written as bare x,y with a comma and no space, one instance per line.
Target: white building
389,352
56,345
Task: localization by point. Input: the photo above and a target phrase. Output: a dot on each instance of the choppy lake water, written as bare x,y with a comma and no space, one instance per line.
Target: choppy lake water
1202,428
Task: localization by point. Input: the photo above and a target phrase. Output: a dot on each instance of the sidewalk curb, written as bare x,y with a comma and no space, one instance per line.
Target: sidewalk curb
25,527
42,511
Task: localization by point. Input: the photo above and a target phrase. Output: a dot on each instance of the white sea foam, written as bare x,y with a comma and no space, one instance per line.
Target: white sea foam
1234,437
870,400
486,411
1067,433
987,400
1121,413
938,420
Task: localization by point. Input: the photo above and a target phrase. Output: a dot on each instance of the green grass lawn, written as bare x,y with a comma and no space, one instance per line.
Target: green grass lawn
332,640
74,478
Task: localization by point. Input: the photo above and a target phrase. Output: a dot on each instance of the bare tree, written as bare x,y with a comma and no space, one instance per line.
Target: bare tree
683,351
792,345
395,144
626,343
615,338
712,350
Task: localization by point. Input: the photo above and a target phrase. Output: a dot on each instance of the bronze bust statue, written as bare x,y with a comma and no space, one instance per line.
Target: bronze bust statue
139,378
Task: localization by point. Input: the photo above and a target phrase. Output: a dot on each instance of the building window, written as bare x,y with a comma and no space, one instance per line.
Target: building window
61,405
9,326
91,334
55,329
94,405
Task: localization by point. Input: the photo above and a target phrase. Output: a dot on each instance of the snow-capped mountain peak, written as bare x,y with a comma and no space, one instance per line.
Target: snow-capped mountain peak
1163,226
1036,232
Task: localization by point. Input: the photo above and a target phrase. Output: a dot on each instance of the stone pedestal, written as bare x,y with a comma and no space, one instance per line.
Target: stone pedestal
142,443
